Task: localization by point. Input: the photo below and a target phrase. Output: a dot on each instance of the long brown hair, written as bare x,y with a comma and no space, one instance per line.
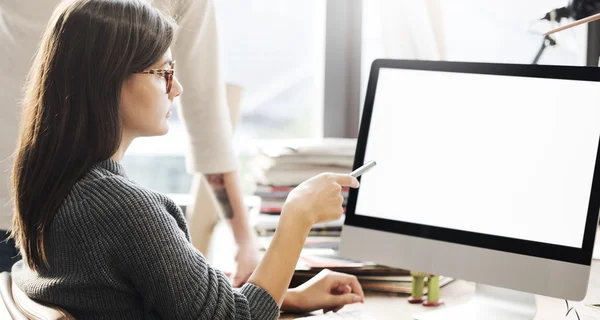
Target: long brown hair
71,107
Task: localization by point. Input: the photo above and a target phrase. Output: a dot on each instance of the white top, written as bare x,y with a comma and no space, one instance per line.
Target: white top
203,106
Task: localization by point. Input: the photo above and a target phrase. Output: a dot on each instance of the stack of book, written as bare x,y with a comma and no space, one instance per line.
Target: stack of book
278,166
373,278
321,253
265,225
285,163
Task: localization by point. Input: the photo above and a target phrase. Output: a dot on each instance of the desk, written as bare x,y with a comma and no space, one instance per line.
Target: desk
396,307
384,307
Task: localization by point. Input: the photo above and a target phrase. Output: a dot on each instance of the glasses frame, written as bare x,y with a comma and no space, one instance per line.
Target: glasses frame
167,73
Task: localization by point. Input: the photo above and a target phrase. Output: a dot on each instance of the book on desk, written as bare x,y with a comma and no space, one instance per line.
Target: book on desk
320,253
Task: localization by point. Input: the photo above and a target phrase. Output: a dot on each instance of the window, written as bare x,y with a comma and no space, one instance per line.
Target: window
275,51
467,30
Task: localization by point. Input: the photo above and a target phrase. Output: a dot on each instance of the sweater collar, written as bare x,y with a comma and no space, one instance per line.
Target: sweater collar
112,166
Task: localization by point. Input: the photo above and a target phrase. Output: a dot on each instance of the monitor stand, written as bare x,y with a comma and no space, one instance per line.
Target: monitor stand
488,303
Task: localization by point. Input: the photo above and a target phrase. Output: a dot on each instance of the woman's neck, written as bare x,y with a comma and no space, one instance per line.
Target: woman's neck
125,142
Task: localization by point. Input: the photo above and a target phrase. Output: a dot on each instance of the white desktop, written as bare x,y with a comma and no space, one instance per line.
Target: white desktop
484,173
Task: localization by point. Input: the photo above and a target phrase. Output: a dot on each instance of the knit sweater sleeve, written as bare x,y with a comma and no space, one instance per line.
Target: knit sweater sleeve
151,251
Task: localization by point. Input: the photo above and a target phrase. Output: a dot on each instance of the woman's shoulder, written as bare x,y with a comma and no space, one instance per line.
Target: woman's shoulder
107,189
103,199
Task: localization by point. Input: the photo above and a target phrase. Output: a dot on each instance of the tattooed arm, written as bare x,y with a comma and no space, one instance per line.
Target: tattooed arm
227,189
217,182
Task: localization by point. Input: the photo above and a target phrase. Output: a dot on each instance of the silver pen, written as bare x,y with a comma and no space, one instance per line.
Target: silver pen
364,168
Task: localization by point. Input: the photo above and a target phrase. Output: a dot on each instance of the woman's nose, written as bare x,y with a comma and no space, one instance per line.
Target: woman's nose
176,89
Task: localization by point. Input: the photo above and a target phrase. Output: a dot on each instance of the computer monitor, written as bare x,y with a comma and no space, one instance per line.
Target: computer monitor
485,172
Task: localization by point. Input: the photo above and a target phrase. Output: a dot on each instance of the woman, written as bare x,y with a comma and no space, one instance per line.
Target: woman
97,244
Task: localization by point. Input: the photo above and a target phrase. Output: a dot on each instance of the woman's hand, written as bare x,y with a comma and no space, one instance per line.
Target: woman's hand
318,199
328,290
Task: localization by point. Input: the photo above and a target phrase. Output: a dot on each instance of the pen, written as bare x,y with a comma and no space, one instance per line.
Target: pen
364,168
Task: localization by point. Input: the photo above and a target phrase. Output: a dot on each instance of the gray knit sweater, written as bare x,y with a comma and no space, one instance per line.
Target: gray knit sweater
119,251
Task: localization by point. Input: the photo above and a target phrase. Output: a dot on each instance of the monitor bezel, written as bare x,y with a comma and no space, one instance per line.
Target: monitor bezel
581,256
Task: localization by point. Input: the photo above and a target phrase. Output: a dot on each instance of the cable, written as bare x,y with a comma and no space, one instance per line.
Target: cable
571,309
548,41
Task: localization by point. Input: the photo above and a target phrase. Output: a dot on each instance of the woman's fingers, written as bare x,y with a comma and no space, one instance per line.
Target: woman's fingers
341,289
341,300
351,281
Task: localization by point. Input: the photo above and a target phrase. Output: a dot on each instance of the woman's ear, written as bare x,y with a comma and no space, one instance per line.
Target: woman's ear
125,94
125,100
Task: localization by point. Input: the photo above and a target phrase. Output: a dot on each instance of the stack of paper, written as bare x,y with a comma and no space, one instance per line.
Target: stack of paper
285,163
278,166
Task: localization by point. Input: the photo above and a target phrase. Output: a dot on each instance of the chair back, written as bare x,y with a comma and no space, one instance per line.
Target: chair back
18,306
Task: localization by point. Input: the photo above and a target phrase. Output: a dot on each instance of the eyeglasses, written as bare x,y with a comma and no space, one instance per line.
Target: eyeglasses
167,73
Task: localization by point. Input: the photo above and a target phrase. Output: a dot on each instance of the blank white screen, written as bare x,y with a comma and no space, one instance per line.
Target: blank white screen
499,155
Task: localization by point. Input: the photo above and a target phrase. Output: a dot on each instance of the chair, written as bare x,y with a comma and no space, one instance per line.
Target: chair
18,306
8,309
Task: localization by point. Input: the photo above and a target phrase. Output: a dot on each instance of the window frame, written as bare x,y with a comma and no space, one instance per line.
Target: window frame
343,40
